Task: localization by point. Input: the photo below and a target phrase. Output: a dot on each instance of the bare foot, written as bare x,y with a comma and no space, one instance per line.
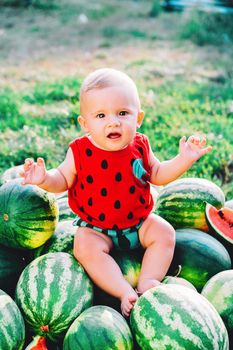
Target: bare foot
127,302
146,284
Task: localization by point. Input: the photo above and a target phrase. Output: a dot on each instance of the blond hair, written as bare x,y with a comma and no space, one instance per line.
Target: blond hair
106,77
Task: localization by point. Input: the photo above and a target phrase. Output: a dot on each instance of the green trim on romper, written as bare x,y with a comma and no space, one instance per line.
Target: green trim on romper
123,239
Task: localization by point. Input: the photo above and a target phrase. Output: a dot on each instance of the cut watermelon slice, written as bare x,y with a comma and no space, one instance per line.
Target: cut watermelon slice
38,343
220,221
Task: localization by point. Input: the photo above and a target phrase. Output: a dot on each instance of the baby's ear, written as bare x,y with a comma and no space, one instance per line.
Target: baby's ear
140,118
83,123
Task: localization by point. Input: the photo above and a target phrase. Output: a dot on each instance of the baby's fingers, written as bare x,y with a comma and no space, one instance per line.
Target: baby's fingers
28,163
195,140
40,162
206,150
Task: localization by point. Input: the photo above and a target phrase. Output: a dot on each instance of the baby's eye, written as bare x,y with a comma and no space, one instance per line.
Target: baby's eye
100,115
123,113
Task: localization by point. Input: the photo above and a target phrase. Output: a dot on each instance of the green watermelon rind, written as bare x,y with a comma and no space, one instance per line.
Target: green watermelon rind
52,291
99,327
200,256
28,215
175,317
219,292
182,202
61,241
12,328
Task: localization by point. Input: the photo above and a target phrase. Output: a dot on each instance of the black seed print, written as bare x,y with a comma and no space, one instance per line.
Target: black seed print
102,217
118,177
89,179
89,218
104,192
104,164
115,227
132,189
82,186
81,209
142,200
90,202
117,204
88,152
140,150
130,215
75,193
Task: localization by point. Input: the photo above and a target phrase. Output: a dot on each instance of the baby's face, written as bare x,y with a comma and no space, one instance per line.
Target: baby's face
111,116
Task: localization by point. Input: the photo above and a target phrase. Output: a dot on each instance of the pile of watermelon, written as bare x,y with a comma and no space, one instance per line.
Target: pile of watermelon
47,300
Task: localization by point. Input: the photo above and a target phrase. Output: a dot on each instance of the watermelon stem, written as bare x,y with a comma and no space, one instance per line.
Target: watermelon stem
45,328
6,217
178,271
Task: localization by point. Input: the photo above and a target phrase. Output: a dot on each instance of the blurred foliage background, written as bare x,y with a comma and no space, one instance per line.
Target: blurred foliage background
181,62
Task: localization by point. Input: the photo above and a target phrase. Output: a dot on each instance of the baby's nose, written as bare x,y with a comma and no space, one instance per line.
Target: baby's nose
114,120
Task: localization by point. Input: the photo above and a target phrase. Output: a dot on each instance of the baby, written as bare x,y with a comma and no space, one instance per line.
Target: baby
108,172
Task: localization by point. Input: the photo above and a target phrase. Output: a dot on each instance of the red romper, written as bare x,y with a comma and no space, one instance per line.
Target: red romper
111,190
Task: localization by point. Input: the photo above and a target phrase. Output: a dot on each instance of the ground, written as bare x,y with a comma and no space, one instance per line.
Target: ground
77,37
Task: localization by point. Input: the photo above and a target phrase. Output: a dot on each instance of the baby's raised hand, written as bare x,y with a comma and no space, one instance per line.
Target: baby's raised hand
34,173
194,148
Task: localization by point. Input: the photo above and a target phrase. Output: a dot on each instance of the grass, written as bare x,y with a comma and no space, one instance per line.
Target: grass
182,94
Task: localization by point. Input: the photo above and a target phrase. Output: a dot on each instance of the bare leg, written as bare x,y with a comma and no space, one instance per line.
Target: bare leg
157,236
92,249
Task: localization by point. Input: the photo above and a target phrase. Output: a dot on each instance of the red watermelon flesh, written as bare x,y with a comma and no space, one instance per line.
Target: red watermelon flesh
221,221
38,343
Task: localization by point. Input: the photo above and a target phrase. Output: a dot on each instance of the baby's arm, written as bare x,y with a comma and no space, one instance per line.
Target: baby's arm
189,152
55,180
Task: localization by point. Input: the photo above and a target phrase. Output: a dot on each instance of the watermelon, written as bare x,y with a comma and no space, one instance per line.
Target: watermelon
183,202
172,316
130,265
65,212
61,241
220,222
99,327
12,262
51,292
12,329
200,256
11,174
178,280
219,291
28,215
38,343
229,204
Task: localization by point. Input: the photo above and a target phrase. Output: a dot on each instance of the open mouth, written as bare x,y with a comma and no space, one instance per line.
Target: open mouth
114,135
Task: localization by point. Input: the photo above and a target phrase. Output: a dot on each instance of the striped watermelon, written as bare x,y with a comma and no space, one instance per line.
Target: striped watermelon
61,241
28,215
219,291
65,213
182,202
12,329
12,262
51,292
99,327
200,256
229,204
178,280
175,317
11,174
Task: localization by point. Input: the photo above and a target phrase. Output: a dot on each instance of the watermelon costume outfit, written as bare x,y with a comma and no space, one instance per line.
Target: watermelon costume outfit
111,193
